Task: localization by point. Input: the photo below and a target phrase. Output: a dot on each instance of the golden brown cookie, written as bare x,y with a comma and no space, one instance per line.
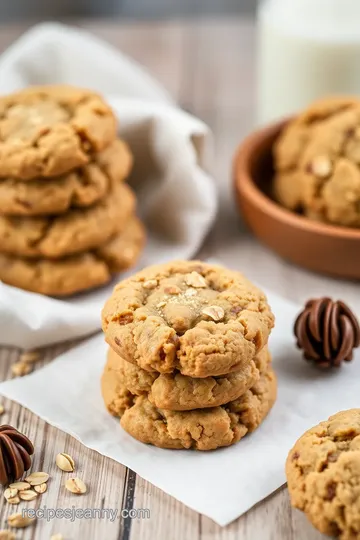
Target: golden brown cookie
49,130
122,250
200,429
200,319
323,473
78,272
76,231
317,162
77,189
174,391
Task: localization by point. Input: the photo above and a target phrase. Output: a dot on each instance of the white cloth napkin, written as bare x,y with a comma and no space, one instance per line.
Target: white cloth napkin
222,484
177,198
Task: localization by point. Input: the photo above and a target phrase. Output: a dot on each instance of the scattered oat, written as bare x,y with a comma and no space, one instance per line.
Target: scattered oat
19,369
75,485
161,304
65,462
5,534
41,488
19,521
195,280
37,478
214,312
20,486
172,290
191,292
14,500
321,166
30,357
57,537
9,493
27,495
150,284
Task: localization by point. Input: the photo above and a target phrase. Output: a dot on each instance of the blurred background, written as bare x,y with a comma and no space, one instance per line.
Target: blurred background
17,10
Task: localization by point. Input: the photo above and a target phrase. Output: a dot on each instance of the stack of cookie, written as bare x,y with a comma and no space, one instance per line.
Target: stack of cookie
67,220
188,365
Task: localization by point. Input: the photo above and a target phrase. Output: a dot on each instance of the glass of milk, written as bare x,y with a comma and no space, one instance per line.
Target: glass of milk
306,49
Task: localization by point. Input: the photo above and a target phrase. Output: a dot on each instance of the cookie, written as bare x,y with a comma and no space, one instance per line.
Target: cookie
73,232
174,391
122,251
79,188
200,429
78,272
49,130
317,162
200,319
323,473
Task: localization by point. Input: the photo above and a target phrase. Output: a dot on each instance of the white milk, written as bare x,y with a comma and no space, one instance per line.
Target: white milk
306,49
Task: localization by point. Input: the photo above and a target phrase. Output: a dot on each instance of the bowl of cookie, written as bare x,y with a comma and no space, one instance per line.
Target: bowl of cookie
297,184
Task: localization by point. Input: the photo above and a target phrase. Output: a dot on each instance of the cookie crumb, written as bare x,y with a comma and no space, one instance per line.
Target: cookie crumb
19,369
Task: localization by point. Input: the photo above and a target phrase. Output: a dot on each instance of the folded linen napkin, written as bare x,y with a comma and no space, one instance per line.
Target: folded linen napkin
177,198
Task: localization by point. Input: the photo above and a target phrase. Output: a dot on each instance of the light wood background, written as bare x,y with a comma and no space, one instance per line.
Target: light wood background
17,10
208,66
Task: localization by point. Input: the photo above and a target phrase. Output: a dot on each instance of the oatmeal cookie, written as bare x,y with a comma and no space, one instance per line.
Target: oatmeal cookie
76,231
122,250
49,130
323,473
317,162
78,272
200,429
200,319
174,391
79,188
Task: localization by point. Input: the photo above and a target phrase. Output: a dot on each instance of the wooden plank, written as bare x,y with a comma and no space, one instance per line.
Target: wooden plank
169,519
104,478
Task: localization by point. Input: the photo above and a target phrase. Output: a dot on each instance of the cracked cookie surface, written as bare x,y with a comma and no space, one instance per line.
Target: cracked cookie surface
79,188
78,272
76,231
317,162
49,130
200,429
323,473
175,391
200,319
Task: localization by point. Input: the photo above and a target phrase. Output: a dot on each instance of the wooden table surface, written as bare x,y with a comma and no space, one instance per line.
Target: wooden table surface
209,68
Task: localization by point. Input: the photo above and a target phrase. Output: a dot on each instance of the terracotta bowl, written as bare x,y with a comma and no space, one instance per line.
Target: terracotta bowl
320,247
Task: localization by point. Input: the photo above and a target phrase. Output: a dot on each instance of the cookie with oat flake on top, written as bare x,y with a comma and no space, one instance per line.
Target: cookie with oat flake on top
317,162
200,319
49,130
